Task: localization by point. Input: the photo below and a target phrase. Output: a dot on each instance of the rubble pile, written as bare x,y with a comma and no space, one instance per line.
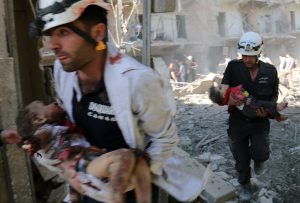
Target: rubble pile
202,129
199,86
296,80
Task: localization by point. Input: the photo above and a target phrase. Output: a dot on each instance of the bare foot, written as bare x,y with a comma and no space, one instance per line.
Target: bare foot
281,118
281,106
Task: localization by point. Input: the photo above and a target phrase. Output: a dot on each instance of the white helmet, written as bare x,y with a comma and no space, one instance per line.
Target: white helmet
58,12
250,44
189,57
52,13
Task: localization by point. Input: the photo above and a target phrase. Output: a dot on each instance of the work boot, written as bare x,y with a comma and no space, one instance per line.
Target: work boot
258,167
245,193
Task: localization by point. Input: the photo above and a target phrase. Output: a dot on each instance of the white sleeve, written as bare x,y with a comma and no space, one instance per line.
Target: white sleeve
155,119
56,77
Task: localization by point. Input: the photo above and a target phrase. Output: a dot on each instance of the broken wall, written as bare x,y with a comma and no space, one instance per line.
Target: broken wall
15,174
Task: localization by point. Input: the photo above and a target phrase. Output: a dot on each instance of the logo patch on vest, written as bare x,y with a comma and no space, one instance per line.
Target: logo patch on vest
263,80
101,112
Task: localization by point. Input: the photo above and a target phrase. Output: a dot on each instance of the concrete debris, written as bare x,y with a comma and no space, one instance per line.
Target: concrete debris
262,192
223,175
295,150
204,157
234,182
207,142
265,200
199,86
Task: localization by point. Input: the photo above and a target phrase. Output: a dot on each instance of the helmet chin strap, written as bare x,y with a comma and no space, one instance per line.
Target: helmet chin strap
82,34
257,60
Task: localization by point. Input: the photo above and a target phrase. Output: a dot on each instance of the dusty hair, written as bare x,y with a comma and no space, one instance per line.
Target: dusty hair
93,15
24,120
215,95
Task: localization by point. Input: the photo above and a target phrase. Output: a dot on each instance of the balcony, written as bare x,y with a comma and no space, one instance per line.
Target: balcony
278,38
260,3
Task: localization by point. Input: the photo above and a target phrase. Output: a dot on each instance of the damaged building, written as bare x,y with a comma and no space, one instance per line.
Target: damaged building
209,30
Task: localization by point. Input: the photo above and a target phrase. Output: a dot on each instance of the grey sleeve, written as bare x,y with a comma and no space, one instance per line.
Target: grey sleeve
155,120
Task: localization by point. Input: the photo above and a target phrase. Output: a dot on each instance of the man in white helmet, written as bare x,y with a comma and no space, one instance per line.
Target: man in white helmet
119,102
249,138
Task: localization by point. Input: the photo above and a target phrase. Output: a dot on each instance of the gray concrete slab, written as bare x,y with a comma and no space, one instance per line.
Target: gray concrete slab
218,190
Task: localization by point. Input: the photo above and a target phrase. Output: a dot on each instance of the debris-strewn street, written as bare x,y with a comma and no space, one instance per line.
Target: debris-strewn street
202,130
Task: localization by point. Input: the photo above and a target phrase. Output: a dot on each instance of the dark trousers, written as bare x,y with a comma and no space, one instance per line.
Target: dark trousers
192,75
130,196
248,140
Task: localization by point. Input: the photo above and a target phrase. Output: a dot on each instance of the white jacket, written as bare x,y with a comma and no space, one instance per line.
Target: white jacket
140,106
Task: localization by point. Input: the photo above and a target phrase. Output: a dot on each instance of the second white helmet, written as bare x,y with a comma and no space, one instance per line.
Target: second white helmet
250,44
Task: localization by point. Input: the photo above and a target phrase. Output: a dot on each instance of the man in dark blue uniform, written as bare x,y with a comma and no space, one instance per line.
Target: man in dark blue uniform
249,138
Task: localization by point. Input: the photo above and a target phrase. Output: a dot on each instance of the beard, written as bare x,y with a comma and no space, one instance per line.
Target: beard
249,65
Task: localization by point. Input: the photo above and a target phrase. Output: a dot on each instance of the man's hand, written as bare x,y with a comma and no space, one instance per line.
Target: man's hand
234,102
10,136
260,112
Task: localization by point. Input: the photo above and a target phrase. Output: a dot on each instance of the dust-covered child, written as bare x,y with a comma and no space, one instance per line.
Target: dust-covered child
220,95
45,127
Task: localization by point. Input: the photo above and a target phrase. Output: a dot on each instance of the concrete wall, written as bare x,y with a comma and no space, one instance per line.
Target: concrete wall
233,19
20,82
209,45
297,15
165,24
14,163
31,78
15,177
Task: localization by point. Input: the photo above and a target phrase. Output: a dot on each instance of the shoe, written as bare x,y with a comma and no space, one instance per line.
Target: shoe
259,168
245,193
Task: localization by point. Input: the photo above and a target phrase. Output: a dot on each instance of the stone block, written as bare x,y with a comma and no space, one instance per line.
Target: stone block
218,190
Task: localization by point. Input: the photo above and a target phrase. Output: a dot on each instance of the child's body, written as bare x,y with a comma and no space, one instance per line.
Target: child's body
221,94
45,127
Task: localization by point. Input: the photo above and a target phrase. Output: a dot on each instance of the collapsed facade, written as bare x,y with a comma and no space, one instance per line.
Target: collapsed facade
210,30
